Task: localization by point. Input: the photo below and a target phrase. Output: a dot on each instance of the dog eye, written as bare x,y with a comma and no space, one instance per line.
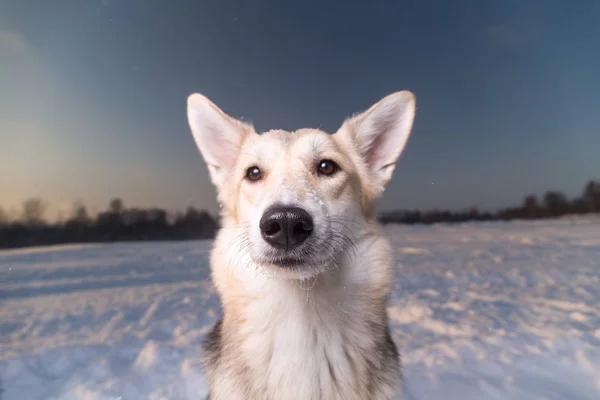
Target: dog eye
328,167
253,174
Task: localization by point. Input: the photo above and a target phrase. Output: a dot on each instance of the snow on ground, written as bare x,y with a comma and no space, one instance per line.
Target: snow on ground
480,311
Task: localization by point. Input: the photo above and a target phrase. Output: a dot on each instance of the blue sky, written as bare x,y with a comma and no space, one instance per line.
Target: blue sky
93,94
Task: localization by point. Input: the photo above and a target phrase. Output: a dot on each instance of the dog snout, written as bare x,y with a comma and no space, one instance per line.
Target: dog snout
286,227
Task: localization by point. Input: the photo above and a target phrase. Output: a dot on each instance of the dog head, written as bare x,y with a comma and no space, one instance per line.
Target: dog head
293,202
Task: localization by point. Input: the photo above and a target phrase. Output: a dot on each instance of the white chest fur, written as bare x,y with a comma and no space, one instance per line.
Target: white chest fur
312,344
322,340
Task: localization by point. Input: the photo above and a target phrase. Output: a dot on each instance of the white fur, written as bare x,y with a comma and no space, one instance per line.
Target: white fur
217,136
316,331
381,133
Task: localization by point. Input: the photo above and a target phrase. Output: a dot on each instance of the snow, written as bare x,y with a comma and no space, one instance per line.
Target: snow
479,311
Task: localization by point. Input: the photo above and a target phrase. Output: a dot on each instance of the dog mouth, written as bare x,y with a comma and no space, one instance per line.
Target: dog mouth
288,262
296,259
312,255
308,260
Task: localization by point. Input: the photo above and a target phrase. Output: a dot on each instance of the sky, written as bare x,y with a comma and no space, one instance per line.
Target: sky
93,94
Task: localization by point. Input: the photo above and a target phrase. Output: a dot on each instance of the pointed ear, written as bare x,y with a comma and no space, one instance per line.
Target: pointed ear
217,135
380,134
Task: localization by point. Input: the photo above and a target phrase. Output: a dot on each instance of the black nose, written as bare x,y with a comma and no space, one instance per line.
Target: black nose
286,227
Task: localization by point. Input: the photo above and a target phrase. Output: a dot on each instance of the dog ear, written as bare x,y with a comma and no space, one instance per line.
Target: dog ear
380,134
217,135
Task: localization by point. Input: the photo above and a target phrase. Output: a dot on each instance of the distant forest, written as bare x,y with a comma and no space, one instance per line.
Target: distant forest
119,223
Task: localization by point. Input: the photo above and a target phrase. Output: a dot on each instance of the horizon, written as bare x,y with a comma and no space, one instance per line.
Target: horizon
94,99
64,214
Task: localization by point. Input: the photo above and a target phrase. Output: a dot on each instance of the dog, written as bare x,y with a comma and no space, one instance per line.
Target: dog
300,264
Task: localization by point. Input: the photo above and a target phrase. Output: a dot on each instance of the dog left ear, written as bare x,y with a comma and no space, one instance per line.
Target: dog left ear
380,134
217,135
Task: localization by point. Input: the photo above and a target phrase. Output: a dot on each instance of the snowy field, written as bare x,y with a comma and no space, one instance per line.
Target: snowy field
479,311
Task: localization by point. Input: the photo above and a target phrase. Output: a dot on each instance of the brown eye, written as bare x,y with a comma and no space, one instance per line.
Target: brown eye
328,167
253,174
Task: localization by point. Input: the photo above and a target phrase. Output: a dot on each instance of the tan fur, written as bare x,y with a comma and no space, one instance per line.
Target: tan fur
317,331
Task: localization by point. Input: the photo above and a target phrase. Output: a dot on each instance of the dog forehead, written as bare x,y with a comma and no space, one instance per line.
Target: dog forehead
312,140
300,143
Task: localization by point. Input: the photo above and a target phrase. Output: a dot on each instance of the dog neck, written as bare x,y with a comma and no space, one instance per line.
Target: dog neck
326,337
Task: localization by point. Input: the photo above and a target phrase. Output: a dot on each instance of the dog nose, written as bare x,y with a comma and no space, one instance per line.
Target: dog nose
285,227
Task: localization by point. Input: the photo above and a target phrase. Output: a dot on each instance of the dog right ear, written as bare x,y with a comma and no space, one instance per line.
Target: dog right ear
217,135
380,134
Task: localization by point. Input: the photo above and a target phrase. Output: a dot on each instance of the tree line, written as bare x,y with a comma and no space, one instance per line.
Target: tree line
553,204
113,225
119,223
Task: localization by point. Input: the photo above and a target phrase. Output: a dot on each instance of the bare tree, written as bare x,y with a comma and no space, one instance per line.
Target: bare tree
116,206
3,217
531,206
556,203
79,212
33,211
592,194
